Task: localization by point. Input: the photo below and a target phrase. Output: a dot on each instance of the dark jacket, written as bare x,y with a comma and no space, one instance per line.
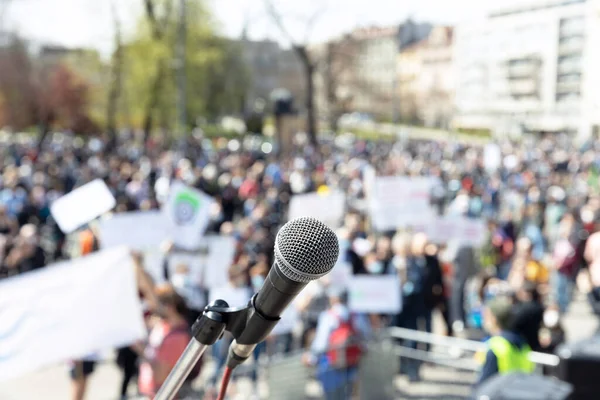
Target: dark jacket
432,278
528,318
490,366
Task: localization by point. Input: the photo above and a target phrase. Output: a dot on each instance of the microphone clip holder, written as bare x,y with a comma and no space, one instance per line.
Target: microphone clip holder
216,318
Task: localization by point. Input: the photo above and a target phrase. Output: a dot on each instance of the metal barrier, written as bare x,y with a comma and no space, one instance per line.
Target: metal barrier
541,359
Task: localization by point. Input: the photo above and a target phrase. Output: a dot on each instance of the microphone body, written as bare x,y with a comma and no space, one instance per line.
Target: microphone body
305,249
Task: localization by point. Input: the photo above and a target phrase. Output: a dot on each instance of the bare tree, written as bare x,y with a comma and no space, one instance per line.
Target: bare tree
158,26
309,67
338,64
116,81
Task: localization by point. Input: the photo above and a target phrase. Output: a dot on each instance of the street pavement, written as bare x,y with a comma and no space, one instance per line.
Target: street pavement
438,382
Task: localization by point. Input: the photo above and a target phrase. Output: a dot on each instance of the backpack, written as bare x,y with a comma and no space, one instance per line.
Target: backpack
195,372
344,341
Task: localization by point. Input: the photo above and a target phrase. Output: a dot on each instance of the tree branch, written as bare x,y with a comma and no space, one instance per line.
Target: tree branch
277,19
151,15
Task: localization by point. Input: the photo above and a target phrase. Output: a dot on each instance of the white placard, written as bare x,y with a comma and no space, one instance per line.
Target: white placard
374,294
399,201
492,157
82,205
138,230
235,297
327,207
188,212
68,311
457,229
221,251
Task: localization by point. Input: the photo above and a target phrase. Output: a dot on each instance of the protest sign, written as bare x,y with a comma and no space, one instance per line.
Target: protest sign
399,201
235,297
374,294
82,205
68,311
492,157
221,251
188,212
457,229
138,230
328,207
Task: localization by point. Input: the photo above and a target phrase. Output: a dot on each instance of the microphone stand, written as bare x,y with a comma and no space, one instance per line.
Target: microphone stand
217,318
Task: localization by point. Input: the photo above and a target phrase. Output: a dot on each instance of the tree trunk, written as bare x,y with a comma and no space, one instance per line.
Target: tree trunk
153,102
311,123
115,87
44,130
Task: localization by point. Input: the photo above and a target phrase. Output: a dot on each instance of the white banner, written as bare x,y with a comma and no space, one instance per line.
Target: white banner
399,201
138,230
374,294
457,229
327,207
82,205
68,311
188,212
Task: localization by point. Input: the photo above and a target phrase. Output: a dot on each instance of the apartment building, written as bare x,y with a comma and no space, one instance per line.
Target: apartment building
532,68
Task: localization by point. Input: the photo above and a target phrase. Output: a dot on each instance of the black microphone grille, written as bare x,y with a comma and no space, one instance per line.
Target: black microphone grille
306,249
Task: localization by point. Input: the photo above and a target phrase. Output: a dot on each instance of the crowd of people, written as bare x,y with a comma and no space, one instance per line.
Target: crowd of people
541,205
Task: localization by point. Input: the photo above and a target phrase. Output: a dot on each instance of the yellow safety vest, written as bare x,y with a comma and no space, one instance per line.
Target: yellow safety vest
511,358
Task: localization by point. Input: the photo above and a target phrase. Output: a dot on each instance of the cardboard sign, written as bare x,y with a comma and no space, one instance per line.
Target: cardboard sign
375,294
138,230
457,229
188,212
399,201
327,207
82,205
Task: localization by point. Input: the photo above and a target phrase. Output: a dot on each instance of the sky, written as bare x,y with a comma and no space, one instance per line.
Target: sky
89,23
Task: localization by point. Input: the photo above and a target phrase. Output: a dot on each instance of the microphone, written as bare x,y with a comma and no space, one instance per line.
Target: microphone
305,249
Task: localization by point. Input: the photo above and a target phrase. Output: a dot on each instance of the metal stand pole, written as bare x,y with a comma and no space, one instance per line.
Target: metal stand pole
182,369
206,331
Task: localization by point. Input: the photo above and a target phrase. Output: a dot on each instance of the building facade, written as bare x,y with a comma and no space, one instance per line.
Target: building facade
270,67
426,79
532,68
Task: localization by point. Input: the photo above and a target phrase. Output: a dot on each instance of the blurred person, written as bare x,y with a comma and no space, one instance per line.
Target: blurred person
565,257
592,257
167,340
414,306
82,369
8,224
508,351
529,314
525,267
311,303
552,334
26,254
503,242
433,285
531,229
237,280
337,347
127,358
465,267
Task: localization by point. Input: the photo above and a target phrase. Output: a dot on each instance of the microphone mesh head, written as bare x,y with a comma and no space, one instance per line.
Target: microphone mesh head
306,249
